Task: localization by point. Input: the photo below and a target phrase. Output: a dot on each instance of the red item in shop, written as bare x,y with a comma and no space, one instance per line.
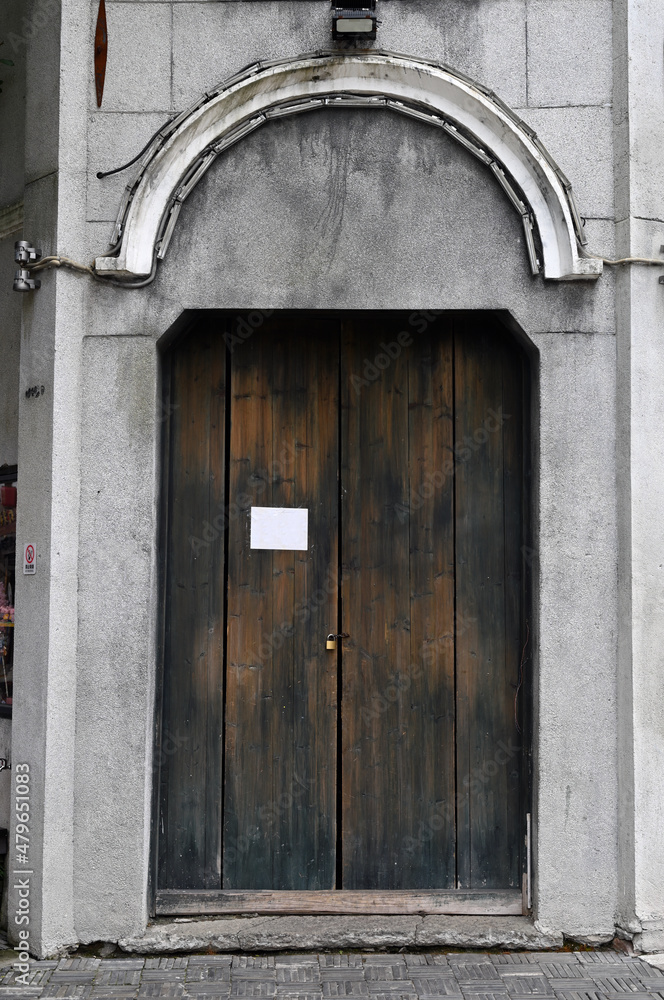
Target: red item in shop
8,496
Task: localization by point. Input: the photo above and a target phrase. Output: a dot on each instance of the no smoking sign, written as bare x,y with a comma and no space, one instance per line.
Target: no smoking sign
29,559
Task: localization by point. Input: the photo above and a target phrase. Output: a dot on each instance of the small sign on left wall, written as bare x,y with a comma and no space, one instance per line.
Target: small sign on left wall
29,558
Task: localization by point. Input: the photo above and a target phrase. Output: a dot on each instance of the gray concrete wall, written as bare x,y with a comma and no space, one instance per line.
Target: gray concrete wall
639,118
576,747
12,131
329,210
5,776
10,339
365,210
48,483
12,167
115,692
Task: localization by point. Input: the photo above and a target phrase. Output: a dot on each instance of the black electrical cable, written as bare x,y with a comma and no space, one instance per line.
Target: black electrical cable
117,283
107,173
105,279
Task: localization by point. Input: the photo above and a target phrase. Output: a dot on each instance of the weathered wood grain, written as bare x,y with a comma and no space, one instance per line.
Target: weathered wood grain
515,498
398,686
190,753
171,903
487,532
431,540
421,452
281,699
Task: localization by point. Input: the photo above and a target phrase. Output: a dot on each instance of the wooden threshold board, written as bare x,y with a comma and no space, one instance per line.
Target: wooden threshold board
176,902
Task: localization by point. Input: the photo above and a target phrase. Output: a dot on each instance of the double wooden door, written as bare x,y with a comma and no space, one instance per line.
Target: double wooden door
396,761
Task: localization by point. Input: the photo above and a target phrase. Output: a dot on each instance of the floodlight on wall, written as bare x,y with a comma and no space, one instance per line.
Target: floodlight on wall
350,21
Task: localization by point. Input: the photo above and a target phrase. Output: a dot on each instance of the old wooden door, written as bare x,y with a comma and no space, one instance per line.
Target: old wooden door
389,773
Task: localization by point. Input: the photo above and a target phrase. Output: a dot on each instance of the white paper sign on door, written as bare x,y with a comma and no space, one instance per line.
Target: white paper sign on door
284,528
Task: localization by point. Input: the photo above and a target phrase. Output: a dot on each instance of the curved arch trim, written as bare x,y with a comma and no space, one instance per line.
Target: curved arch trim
185,148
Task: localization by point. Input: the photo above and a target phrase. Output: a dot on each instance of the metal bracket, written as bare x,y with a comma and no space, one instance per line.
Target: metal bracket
25,255
24,283
5,765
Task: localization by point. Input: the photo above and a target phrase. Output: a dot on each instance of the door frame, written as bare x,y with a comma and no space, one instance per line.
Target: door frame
172,902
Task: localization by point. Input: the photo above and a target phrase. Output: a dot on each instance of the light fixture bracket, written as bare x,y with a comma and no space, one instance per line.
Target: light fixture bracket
353,21
24,283
25,255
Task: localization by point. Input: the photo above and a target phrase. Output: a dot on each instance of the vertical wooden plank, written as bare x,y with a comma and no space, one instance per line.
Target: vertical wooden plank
515,496
249,601
316,583
288,399
374,477
280,775
397,708
487,753
190,764
525,681
431,475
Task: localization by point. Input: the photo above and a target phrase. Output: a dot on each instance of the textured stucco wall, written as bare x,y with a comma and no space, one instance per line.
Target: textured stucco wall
12,111
115,689
366,210
341,210
12,179
639,120
48,483
576,722
5,776
10,338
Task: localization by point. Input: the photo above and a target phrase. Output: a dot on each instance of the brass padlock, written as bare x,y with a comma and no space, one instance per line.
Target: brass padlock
331,641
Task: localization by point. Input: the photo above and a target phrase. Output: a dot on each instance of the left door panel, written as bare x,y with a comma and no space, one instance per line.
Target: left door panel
190,754
280,781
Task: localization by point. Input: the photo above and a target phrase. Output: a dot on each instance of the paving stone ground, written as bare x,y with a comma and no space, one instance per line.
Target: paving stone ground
600,975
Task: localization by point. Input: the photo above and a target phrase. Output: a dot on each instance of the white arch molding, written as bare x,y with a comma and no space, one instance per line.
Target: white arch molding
186,147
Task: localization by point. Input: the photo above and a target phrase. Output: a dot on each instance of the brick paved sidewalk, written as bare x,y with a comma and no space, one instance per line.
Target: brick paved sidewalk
604,975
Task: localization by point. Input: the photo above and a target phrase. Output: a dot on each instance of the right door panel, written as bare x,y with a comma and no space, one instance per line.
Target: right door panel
398,822
489,487
432,485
